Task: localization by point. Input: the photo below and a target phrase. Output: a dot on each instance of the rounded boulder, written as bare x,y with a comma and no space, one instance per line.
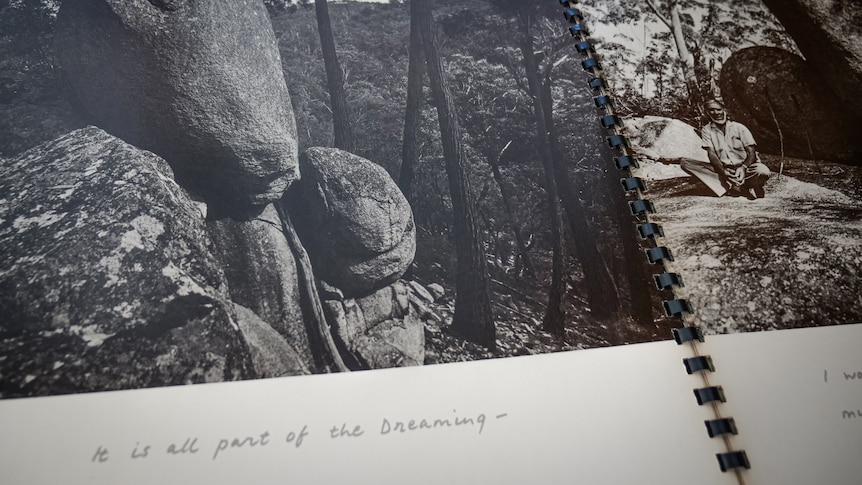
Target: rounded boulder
784,102
198,83
354,221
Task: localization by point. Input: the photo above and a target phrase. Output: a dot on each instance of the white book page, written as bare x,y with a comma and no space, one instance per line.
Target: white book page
605,416
617,415
796,396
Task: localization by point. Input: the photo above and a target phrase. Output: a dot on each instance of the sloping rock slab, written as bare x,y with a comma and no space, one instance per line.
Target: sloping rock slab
664,139
261,272
106,277
790,260
828,33
272,355
354,221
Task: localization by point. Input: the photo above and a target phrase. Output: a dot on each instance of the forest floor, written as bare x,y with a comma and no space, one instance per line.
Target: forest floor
519,332
518,312
791,259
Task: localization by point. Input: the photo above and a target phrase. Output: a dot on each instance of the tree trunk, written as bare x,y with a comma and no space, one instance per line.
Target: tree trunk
633,260
602,292
689,73
473,319
686,58
554,319
409,147
634,269
341,126
323,345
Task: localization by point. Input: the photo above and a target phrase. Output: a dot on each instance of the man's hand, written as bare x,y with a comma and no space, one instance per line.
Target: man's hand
735,176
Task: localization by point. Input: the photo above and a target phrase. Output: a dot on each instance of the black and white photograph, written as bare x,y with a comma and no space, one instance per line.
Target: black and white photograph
746,118
197,192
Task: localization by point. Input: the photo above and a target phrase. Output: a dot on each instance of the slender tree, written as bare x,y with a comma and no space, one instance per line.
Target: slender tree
413,111
698,35
554,319
506,196
630,262
632,268
341,126
473,319
601,288
671,18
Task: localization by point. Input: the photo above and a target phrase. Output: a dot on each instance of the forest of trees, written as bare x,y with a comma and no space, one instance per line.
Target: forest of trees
480,111
666,55
493,142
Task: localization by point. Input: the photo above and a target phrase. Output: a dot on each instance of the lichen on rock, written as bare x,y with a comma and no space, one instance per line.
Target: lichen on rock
107,279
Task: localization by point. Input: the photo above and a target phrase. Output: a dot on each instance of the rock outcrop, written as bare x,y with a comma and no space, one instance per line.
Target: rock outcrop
829,34
150,251
271,354
436,291
107,279
761,265
784,102
199,83
354,221
664,139
379,330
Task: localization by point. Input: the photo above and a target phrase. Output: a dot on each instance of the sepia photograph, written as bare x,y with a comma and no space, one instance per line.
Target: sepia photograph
214,191
745,117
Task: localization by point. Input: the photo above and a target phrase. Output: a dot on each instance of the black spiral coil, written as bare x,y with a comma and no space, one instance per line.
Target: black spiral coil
641,208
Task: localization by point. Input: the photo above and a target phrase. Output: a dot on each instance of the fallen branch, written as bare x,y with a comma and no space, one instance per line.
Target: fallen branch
513,310
423,310
780,134
520,293
308,293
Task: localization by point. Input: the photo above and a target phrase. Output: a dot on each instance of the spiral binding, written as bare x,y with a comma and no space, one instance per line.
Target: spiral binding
717,427
699,363
642,208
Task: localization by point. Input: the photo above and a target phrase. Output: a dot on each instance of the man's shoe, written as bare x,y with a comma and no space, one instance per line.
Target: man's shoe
751,194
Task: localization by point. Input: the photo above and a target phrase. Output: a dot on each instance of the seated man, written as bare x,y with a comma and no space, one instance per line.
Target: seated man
734,165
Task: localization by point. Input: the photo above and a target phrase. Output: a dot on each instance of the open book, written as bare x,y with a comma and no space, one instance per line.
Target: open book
385,242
